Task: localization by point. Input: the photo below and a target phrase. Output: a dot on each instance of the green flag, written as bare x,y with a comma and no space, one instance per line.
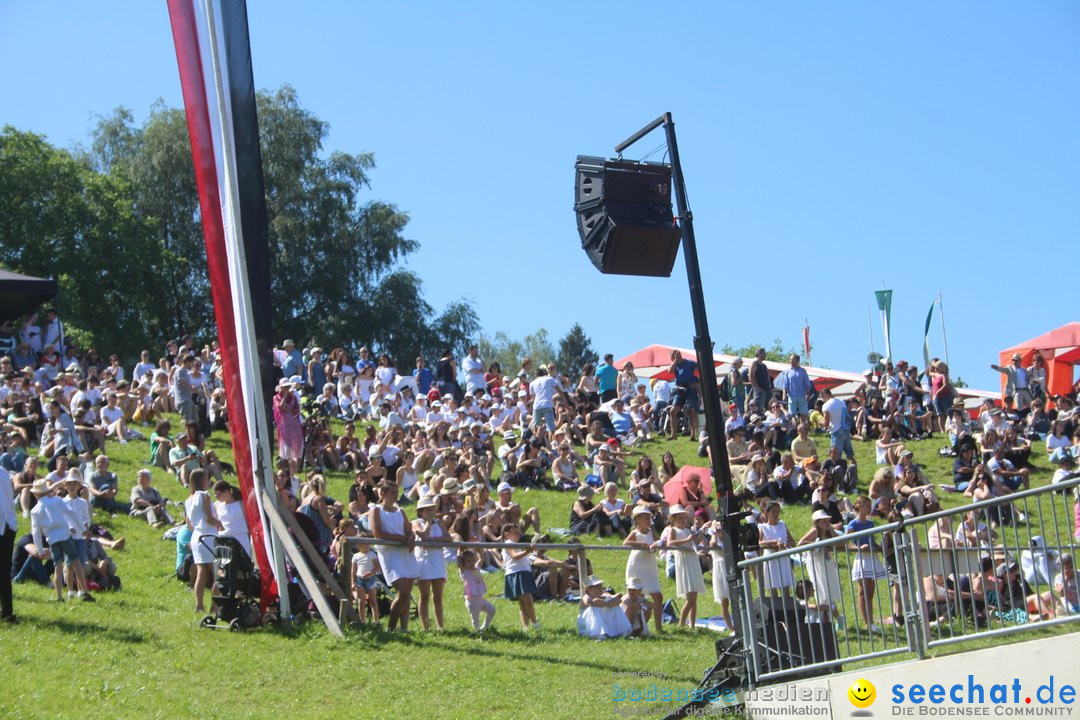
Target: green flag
926,337
884,304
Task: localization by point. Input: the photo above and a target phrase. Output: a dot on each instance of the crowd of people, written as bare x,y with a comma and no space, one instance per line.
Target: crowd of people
460,442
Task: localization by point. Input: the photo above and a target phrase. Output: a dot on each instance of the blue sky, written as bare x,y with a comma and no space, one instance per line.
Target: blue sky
828,147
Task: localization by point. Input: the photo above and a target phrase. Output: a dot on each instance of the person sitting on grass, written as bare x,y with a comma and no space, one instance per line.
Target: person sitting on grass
104,486
513,512
147,502
616,509
586,517
601,615
51,521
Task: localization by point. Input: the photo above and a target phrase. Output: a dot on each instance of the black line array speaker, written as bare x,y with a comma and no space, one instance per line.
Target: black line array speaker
624,216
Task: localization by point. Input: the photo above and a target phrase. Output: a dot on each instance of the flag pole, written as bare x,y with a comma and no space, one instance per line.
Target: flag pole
944,339
870,328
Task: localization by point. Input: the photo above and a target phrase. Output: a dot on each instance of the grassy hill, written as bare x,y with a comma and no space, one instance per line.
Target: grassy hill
139,652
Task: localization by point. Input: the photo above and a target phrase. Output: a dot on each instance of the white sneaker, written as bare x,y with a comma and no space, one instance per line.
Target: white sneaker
1021,518
875,630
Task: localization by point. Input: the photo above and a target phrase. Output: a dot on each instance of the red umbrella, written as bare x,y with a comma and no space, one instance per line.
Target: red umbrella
673,487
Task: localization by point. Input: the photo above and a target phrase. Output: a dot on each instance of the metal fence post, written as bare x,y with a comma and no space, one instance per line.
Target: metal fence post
919,618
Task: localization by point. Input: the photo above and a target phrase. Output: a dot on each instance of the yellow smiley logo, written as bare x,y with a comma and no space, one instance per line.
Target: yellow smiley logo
862,693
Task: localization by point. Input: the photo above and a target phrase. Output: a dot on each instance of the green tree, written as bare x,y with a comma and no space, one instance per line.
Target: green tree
775,353
509,353
335,251
60,218
575,350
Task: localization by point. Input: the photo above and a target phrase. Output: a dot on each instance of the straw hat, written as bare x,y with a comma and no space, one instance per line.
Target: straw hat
425,502
820,515
633,584
677,509
593,581
449,487
40,487
641,510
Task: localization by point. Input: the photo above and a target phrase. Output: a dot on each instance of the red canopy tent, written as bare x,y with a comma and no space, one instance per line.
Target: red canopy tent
1060,350
653,362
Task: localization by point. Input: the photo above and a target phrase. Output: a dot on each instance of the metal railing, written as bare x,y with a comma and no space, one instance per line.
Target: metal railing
906,588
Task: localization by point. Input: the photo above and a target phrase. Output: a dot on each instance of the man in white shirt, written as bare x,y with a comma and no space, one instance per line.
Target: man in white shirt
8,524
473,366
836,416
543,390
53,331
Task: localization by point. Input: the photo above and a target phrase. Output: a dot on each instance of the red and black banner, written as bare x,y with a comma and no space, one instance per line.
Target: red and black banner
224,132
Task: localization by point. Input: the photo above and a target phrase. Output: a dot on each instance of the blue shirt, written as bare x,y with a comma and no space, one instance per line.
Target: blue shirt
606,377
423,378
294,365
797,382
684,373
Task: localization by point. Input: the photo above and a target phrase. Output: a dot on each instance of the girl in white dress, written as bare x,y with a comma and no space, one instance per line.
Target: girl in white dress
720,589
642,562
774,536
431,562
201,521
388,522
601,615
688,580
822,566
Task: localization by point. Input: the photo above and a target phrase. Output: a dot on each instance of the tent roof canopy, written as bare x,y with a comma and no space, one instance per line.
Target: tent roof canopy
1066,336
22,294
653,361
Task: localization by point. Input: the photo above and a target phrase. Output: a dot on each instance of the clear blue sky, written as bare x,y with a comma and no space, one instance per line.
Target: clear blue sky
828,147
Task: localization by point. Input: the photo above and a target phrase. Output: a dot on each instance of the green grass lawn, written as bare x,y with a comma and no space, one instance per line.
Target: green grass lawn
139,652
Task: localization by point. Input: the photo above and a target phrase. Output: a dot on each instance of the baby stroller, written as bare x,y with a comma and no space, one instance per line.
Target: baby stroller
236,586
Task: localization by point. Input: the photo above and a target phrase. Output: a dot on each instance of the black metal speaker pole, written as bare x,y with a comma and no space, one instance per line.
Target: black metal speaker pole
710,395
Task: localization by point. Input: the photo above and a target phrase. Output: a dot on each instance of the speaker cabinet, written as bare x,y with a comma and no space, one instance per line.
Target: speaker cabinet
624,216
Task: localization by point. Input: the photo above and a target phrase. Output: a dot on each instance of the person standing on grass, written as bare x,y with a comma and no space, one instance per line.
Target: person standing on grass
475,590
51,521
607,378
680,538
290,430
389,522
518,583
202,523
431,562
797,388
8,525
641,564
685,394
866,569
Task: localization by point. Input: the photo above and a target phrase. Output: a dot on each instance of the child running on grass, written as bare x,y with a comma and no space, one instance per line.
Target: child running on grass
518,583
475,590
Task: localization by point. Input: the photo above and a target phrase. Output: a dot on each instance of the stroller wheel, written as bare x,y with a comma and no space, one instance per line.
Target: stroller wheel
208,621
235,625
269,618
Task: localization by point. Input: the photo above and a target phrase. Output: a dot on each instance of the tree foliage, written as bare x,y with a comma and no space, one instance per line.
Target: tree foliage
575,350
509,353
774,353
119,224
